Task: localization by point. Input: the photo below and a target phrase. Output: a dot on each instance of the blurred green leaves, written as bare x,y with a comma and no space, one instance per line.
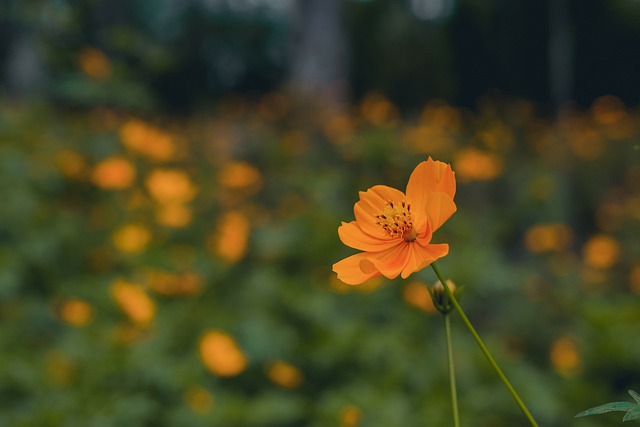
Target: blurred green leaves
125,241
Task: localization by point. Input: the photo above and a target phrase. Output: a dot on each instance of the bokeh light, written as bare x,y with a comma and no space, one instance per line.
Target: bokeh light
134,302
221,355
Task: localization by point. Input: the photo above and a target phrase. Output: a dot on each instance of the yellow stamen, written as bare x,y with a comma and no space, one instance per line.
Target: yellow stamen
397,221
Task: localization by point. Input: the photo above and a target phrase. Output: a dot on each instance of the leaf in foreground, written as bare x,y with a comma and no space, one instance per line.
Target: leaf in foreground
632,410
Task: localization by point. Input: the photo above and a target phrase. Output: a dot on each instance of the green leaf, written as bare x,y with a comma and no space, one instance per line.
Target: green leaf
607,407
633,414
635,395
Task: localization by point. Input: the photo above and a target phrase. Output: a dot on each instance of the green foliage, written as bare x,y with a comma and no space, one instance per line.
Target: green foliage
632,409
128,243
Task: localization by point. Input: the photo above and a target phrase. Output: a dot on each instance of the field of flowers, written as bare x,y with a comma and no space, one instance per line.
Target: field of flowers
164,271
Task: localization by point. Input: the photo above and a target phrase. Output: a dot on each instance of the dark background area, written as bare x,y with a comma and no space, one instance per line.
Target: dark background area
182,55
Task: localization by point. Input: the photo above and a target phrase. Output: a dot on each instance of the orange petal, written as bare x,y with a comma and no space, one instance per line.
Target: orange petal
421,256
372,203
355,269
439,207
352,235
391,262
429,176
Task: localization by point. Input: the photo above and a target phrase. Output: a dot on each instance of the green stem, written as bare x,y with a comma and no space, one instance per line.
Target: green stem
452,373
484,348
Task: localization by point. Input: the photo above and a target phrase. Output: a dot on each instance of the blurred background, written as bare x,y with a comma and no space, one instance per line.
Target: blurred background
173,174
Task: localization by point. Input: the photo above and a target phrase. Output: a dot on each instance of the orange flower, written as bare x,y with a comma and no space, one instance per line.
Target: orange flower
394,229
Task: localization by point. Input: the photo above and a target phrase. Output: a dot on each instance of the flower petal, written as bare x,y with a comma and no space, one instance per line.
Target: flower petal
429,176
421,256
352,235
371,204
391,262
355,269
439,208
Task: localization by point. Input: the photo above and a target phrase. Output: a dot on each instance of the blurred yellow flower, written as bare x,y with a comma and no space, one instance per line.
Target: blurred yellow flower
565,356
240,176
417,295
170,186
147,140
221,355
553,237
284,374
230,240
472,164
94,63
131,238
601,251
134,301
76,312
113,173
199,399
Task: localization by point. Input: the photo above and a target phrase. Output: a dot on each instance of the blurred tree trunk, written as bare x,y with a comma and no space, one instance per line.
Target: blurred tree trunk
560,53
319,62
24,68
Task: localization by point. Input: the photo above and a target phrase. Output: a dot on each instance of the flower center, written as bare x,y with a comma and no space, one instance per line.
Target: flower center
397,221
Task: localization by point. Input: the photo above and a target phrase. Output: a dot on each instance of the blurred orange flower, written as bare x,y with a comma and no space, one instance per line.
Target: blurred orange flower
601,251
76,312
394,229
284,374
113,173
565,356
170,186
240,176
169,284
199,399
232,236
350,416
553,237
134,301
221,355
94,63
379,111
148,141
476,165
174,215
417,295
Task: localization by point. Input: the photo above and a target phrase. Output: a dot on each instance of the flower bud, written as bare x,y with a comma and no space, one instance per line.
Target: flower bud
441,297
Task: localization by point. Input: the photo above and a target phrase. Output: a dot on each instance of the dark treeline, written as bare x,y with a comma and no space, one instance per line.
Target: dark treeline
181,55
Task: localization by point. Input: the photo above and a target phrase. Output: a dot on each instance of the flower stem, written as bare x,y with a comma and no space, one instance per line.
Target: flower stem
484,348
452,373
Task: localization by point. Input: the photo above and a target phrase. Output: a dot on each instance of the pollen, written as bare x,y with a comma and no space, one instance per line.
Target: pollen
397,221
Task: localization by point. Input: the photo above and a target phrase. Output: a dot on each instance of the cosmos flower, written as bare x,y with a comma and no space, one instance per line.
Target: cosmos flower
394,229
